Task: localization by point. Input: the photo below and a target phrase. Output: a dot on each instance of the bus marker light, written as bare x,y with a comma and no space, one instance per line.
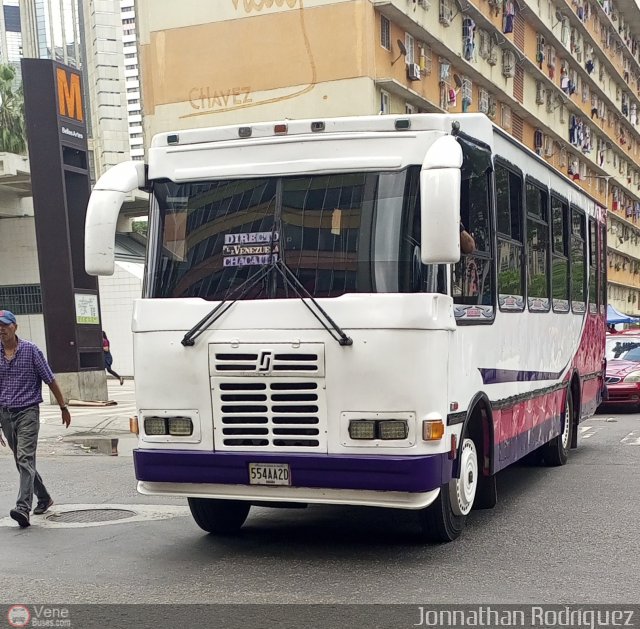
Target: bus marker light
453,453
173,139
454,406
245,132
280,129
362,429
393,429
402,124
155,426
318,125
133,425
432,430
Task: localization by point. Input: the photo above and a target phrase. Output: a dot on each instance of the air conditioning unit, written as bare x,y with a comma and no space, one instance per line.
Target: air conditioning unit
446,14
413,72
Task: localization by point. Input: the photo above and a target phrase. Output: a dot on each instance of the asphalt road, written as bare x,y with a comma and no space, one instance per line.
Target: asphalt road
558,535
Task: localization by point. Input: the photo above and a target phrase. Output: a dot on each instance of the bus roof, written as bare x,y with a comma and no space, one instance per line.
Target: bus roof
475,125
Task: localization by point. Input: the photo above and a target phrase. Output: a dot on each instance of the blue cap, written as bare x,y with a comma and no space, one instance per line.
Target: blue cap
6,316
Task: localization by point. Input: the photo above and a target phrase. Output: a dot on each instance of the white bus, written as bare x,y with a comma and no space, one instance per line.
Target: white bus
310,333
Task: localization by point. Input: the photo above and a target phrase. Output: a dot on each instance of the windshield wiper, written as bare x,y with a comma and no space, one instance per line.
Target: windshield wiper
298,288
292,282
190,337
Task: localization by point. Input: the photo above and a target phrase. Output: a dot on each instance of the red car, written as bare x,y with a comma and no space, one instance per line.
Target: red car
623,369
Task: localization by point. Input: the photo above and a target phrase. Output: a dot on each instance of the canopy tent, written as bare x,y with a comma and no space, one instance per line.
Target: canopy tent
615,316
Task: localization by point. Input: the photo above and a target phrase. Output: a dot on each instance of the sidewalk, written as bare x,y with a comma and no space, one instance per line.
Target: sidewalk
89,427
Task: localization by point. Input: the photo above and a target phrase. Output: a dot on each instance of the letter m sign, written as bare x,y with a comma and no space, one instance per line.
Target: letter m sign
69,94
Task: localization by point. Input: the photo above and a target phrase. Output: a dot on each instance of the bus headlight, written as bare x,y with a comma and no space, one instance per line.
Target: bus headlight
155,426
385,429
175,426
180,426
362,429
389,429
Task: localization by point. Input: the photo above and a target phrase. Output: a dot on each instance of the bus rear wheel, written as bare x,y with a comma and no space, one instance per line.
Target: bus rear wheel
556,452
220,517
444,520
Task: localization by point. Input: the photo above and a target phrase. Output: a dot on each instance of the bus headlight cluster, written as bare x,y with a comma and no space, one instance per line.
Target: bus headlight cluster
174,426
386,429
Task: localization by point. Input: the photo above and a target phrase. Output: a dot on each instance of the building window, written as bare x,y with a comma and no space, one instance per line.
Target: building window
506,118
466,92
385,33
409,43
446,12
385,102
483,101
426,59
25,299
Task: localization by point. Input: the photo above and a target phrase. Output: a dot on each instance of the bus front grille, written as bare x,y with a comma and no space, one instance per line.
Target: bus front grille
272,414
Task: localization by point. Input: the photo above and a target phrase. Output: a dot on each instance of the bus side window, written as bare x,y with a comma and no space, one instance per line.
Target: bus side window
510,242
603,268
537,248
472,276
594,295
578,261
560,254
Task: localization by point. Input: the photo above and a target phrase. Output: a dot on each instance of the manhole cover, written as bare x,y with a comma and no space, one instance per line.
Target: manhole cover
91,515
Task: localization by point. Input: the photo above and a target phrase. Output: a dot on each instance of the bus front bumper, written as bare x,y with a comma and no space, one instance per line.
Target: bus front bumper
408,482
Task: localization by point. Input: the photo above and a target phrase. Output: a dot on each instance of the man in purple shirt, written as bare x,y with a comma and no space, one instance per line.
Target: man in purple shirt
23,369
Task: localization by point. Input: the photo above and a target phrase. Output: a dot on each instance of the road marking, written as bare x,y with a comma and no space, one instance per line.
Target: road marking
632,439
588,431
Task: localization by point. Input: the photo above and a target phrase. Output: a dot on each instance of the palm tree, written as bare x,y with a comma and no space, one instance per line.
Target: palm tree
12,127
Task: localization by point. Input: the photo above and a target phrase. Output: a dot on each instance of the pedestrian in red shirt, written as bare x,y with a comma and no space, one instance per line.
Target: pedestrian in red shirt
108,358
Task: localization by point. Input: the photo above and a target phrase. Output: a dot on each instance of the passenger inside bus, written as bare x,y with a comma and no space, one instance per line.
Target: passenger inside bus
467,242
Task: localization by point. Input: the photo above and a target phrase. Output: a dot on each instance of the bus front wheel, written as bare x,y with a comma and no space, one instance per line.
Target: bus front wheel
444,520
220,517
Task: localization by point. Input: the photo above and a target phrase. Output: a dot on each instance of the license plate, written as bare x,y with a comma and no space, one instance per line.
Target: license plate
269,474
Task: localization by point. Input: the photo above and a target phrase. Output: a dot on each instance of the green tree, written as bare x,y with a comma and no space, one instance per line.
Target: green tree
12,127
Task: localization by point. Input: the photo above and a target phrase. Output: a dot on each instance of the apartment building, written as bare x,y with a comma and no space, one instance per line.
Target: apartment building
10,34
132,79
562,77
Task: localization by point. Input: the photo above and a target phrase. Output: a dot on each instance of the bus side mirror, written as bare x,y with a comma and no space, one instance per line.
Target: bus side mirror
105,203
440,202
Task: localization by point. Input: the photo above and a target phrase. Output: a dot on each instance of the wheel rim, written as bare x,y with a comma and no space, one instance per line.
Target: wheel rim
566,425
463,489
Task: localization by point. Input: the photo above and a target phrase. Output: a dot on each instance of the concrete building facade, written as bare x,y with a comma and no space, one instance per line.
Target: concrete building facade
88,35
562,77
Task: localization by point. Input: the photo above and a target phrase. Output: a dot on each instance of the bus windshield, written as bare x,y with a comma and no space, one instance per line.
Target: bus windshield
338,234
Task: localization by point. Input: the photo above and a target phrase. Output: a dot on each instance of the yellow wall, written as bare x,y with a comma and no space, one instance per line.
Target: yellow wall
257,59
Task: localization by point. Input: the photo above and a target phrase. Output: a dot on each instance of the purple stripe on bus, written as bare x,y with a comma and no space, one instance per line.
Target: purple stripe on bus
329,471
497,376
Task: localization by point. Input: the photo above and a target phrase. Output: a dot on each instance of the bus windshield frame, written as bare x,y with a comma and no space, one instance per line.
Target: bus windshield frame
338,233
